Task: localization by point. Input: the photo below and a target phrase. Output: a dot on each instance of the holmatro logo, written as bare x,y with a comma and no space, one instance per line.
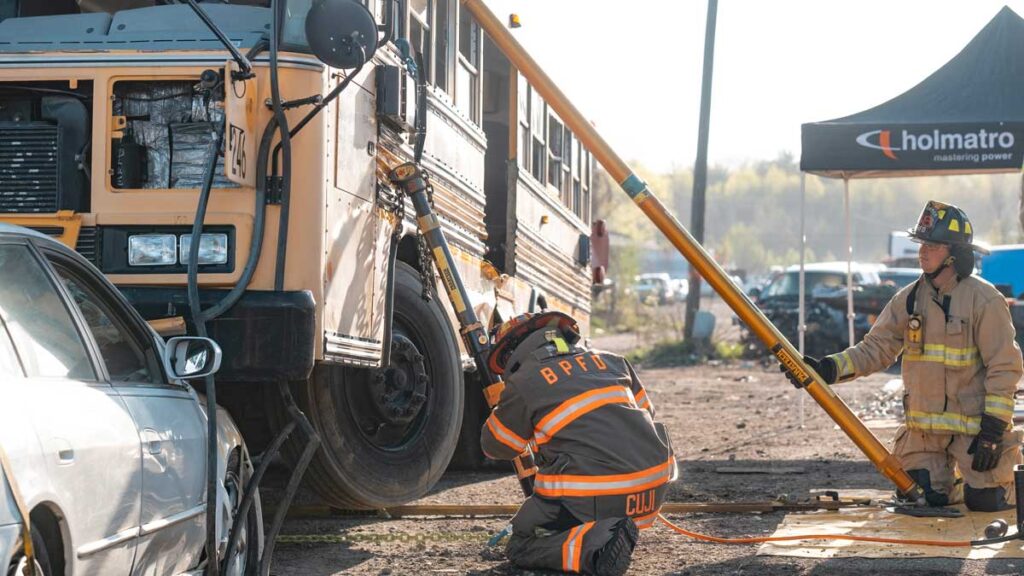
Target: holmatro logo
934,140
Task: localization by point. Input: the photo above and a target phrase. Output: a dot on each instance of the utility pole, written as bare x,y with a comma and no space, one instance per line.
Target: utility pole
700,168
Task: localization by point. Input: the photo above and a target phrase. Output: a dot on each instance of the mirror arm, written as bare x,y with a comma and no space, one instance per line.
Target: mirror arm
389,23
245,67
317,107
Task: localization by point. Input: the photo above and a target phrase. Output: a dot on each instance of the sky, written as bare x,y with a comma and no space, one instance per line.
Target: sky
634,68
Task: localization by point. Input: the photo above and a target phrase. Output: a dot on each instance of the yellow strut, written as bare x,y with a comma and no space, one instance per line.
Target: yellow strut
693,252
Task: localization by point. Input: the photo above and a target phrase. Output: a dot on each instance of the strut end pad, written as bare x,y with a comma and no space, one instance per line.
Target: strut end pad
927,511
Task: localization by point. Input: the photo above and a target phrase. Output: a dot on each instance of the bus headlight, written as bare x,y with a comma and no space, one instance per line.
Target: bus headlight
152,250
213,249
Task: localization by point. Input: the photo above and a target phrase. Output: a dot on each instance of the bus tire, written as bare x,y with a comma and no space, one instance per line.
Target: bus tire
388,435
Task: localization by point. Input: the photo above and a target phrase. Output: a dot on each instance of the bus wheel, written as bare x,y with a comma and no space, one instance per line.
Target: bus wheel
388,434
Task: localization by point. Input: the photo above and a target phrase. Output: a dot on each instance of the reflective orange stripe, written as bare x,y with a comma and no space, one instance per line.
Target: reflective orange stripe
642,399
504,435
646,521
557,486
568,411
567,549
572,548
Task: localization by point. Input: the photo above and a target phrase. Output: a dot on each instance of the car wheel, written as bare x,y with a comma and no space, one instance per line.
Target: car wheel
247,551
388,434
19,562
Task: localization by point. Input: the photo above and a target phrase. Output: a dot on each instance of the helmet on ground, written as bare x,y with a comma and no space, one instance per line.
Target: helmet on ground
941,223
508,335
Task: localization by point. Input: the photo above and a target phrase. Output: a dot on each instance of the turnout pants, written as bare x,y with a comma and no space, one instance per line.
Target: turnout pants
566,534
940,464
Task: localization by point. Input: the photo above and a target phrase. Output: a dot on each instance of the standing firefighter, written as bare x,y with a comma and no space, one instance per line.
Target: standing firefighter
604,464
960,370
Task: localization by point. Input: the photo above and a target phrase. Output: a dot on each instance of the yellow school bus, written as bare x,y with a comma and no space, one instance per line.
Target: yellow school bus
109,110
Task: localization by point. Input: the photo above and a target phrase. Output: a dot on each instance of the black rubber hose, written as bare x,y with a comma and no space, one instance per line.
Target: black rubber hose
421,109
200,327
259,223
293,483
389,296
286,144
252,488
1000,540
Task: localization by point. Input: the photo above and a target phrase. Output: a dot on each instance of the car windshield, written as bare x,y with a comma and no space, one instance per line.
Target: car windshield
788,284
898,279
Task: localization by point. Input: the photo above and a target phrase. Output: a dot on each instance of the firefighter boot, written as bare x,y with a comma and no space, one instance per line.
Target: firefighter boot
613,558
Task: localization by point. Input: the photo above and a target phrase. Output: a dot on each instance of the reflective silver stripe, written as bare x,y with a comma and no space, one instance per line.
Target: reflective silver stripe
503,435
844,364
662,473
998,405
944,422
939,353
579,408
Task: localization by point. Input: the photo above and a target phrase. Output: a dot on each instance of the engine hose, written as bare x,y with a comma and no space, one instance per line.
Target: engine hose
901,541
286,144
200,328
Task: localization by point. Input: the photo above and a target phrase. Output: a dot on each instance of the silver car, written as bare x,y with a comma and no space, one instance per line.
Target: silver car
105,446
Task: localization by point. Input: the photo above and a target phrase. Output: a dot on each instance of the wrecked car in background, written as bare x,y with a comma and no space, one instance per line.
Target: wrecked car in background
825,305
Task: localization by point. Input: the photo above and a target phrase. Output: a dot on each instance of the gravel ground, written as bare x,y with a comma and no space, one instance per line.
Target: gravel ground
740,414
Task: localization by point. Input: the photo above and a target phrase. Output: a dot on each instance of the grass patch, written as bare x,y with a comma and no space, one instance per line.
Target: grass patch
671,353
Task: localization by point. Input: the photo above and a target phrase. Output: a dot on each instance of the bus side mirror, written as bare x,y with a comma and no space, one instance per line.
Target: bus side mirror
341,33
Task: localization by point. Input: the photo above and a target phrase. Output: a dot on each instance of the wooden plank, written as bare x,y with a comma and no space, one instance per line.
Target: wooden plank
441,510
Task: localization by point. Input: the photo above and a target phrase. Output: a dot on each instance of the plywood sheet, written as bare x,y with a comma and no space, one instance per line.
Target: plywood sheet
877,521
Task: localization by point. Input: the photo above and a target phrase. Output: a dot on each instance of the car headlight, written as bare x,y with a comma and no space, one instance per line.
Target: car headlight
152,250
213,249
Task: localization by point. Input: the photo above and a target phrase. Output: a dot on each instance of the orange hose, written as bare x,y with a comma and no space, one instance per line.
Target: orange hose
757,540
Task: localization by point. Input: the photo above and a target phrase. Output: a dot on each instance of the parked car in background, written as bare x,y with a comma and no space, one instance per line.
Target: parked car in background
654,287
899,277
825,305
680,288
106,444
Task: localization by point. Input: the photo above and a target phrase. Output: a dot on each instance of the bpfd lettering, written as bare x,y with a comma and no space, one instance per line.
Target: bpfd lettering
938,140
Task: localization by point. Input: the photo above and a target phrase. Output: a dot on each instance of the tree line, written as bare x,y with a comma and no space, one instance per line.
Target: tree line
752,220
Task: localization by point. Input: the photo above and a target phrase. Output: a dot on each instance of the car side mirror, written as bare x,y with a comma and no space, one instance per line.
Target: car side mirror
755,292
341,33
191,357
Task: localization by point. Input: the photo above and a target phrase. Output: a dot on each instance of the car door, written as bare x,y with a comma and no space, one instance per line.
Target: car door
171,425
88,440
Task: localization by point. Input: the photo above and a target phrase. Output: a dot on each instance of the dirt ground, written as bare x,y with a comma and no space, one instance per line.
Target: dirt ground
729,414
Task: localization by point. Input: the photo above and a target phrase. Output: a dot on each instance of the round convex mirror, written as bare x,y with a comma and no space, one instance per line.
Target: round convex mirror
336,29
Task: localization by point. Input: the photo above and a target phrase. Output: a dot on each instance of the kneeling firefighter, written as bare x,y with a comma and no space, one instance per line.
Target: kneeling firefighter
961,366
603,463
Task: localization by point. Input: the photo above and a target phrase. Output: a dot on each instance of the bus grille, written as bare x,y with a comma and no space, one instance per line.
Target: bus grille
28,167
87,241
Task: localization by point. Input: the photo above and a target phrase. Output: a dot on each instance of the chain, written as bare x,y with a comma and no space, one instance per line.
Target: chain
426,258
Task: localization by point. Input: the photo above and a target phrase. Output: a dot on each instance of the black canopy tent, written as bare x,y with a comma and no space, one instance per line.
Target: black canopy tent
965,118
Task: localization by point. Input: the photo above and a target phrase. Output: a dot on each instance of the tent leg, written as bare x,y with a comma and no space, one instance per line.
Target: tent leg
802,319
849,260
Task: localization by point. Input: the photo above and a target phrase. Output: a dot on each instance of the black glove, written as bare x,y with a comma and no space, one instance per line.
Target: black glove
985,446
826,368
